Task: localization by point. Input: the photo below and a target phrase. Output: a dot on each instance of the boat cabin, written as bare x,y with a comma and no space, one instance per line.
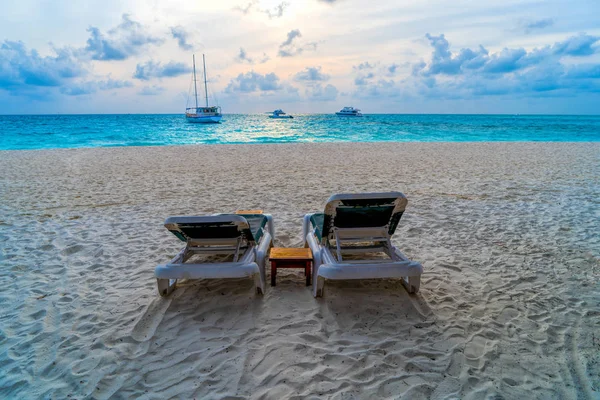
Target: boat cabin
208,111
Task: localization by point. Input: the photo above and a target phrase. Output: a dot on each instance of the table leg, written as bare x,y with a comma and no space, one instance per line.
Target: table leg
307,273
273,273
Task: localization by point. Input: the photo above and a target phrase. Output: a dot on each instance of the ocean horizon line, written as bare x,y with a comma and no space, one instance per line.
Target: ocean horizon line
309,113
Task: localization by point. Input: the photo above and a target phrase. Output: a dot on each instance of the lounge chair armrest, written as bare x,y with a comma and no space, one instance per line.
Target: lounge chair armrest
305,227
263,248
261,257
270,225
315,248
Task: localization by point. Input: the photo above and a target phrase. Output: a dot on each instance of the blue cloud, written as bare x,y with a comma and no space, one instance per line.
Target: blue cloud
529,25
277,12
152,69
290,48
366,72
380,89
474,73
243,57
311,74
83,88
253,82
508,60
392,69
285,47
247,8
25,73
78,90
580,45
364,79
264,58
181,35
320,93
123,41
151,90
363,66
20,68
584,71
443,61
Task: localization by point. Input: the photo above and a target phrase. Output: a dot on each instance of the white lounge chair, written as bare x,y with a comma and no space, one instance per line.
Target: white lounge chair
357,225
246,237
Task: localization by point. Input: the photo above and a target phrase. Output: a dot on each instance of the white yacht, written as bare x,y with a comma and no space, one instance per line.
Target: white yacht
349,112
207,114
279,114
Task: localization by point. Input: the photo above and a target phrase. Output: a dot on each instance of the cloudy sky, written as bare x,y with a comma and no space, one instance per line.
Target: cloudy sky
402,56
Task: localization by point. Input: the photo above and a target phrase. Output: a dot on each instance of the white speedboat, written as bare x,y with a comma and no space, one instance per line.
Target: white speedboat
349,112
279,114
207,114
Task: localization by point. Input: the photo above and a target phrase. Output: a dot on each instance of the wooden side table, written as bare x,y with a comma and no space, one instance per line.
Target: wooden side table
281,257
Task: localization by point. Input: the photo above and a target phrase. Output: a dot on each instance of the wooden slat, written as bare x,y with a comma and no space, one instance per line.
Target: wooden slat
291,253
249,212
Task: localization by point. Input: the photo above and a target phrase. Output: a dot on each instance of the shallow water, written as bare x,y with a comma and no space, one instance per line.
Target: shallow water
20,132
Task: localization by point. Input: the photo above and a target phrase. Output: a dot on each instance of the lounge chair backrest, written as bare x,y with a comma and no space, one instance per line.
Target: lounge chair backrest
364,210
226,226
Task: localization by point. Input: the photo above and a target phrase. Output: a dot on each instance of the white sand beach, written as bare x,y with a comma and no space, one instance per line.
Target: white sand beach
509,307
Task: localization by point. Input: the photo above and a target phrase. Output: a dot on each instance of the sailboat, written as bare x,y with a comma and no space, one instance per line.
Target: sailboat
207,114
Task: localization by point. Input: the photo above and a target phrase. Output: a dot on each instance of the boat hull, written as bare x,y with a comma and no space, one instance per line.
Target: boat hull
281,117
204,119
347,115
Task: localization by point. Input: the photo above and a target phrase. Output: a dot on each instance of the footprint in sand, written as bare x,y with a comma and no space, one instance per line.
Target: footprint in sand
476,347
507,314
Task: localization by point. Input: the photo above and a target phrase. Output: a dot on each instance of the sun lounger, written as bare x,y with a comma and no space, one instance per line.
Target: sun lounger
247,238
352,228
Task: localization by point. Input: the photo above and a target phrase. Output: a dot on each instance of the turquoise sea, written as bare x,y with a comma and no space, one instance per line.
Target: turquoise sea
20,132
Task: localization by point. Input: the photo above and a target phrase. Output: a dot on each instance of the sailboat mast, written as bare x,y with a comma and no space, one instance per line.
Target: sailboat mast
195,90
205,87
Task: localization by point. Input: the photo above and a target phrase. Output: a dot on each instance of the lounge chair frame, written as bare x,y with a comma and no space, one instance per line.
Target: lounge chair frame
329,243
249,257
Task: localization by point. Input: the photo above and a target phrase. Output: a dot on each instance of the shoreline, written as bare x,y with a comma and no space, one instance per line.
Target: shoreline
505,231
517,142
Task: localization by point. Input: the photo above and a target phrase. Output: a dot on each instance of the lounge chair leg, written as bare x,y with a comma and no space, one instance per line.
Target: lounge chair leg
258,283
412,284
273,273
165,286
320,286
